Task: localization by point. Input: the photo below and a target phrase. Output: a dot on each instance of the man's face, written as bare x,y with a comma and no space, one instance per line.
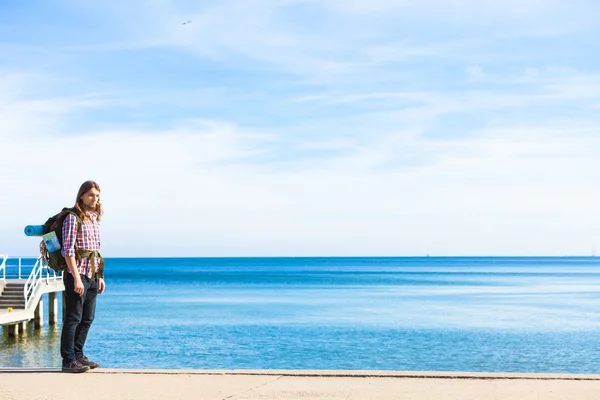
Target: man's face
91,198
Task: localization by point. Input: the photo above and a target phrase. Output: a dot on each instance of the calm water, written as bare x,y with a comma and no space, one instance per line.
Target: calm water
453,314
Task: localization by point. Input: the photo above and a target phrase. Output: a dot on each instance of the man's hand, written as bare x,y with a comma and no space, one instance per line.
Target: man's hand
79,289
101,285
72,264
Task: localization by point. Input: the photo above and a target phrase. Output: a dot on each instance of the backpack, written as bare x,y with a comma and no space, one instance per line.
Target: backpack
55,259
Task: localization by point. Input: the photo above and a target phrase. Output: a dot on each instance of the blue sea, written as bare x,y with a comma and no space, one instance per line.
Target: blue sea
415,314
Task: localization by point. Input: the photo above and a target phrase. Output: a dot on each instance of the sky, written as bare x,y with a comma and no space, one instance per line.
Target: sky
305,127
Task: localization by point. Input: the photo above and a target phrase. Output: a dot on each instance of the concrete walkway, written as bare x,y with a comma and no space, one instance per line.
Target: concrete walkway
282,385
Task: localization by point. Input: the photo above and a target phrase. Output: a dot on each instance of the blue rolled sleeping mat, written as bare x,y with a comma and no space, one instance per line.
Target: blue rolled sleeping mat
34,230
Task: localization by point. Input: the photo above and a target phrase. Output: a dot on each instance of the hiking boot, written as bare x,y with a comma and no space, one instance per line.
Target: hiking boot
74,367
83,360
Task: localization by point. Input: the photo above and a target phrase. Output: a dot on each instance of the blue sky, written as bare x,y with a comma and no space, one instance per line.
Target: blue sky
305,127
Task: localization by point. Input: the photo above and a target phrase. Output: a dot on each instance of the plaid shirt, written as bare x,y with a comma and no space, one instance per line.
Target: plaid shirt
88,239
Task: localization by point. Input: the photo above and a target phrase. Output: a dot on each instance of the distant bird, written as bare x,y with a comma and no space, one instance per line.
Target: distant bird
186,22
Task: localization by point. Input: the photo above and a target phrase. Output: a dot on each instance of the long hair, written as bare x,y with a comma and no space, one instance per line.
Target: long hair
85,187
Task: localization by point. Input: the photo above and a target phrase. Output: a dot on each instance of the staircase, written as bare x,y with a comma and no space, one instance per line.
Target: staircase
23,282
12,296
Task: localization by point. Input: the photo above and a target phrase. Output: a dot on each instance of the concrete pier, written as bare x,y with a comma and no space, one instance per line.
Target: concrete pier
38,314
13,330
22,293
52,308
22,327
16,329
17,314
15,321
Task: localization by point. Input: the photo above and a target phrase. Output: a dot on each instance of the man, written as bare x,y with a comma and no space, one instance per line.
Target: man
84,278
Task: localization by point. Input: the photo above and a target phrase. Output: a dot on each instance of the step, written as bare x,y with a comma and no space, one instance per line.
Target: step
12,299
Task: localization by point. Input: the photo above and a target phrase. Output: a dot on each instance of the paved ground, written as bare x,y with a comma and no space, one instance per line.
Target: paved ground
284,385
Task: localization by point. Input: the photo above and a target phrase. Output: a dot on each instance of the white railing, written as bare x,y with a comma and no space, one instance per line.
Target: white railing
39,273
20,266
23,266
3,258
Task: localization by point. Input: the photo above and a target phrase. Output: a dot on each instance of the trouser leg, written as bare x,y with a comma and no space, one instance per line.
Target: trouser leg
73,312
79,314
89,311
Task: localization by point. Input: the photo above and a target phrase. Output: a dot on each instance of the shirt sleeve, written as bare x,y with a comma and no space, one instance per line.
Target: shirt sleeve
69,235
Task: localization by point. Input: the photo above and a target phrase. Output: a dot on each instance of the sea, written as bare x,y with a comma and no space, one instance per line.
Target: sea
482,314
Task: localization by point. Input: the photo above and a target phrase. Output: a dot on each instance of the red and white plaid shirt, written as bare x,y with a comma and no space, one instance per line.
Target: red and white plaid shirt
88,238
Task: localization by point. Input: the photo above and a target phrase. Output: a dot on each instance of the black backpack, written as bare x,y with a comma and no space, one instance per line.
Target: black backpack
55,259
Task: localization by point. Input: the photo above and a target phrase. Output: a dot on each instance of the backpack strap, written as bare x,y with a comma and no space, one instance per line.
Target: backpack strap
83,253
79,224
92,254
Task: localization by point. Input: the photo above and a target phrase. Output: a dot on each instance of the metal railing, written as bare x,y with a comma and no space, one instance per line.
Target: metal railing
39,273
3,258
19,267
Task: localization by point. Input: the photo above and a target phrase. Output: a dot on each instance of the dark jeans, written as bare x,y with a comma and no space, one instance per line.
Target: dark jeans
79,314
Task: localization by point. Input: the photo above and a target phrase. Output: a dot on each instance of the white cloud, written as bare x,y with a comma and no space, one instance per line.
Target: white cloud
196,191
